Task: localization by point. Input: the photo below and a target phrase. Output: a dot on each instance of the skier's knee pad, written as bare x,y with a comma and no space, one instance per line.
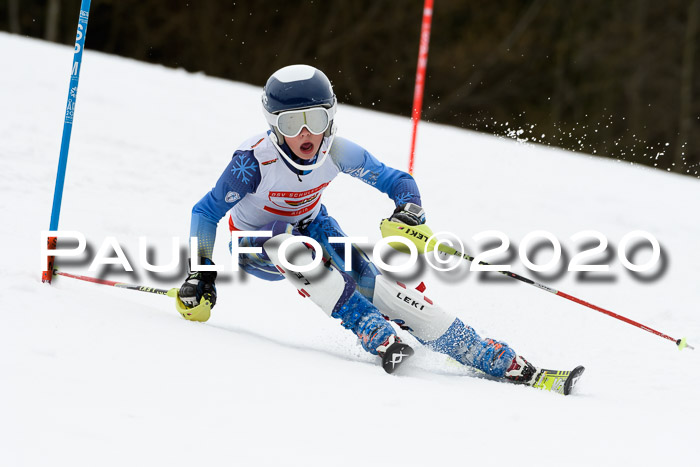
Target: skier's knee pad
326,286
411,310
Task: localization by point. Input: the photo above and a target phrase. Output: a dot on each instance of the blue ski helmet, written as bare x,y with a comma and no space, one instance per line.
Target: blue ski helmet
297,87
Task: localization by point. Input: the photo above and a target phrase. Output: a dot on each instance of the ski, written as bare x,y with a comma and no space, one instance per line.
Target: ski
561,382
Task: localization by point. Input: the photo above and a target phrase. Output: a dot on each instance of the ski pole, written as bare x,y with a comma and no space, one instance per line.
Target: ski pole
141,288
200,313
423,238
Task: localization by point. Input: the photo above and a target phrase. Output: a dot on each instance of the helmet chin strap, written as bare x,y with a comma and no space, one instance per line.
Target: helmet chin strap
301,167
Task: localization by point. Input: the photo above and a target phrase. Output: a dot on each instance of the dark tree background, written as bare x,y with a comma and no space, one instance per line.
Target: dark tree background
616,78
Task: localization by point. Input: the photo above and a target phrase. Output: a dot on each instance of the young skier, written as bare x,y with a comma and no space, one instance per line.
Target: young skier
274,182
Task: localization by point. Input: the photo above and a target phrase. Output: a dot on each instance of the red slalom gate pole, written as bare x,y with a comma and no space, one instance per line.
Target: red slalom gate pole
420,77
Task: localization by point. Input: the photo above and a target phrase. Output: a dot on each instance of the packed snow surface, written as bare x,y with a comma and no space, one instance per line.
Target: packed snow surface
96,375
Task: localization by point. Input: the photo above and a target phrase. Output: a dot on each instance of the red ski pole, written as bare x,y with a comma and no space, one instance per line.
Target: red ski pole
423,238
141,288
200,313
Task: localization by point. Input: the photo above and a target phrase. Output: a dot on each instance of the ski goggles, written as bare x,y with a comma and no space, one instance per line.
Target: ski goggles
291,122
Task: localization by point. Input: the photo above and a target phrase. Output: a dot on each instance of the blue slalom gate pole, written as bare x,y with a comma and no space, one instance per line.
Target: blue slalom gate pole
67,128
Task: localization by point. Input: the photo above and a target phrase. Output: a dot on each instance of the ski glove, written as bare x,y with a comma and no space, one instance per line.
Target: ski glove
409,214
197,285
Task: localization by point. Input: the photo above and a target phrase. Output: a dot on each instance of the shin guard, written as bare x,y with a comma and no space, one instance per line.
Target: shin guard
411,310
327,287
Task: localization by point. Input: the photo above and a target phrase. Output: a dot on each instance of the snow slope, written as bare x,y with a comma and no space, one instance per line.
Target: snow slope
94,375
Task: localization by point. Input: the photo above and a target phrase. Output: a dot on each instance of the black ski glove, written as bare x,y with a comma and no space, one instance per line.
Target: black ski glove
198,285
409,214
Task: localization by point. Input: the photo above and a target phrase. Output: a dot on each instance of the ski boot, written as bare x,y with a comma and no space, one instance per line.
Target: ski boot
521,371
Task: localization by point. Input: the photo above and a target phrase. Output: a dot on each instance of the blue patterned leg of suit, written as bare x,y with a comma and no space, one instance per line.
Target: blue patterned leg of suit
259,264
462,343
